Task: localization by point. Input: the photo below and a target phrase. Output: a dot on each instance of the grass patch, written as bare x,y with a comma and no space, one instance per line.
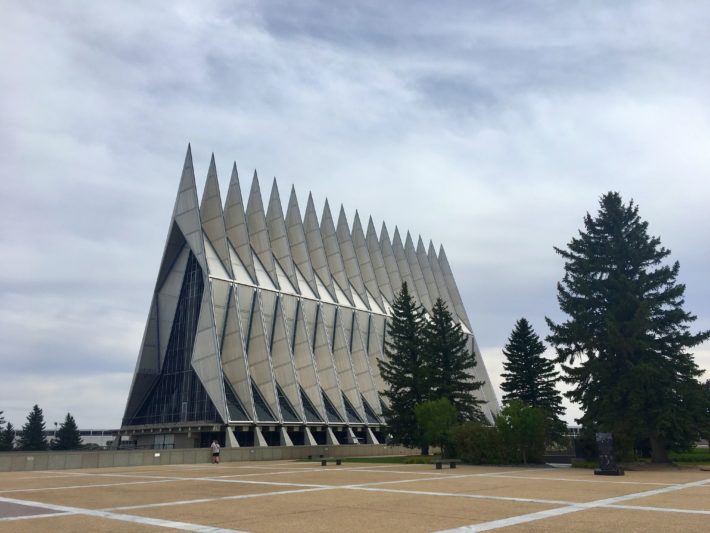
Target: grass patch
584,464
698,455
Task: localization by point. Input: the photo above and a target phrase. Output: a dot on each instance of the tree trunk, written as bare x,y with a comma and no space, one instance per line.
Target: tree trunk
659,454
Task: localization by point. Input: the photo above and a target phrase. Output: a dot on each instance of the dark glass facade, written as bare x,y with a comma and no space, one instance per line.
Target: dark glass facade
330,410
311,412
178,395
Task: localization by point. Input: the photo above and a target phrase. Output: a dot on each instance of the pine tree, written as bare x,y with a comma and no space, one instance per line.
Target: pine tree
67,436
7,438
404,370
530,377
625,343
33,437
450,363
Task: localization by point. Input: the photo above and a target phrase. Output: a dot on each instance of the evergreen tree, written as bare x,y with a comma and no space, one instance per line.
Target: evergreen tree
530,377
67,436
404,370
625,343
33,437
450,363
7,437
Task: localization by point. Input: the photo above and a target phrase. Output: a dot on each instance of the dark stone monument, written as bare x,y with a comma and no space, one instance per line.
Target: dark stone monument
607,459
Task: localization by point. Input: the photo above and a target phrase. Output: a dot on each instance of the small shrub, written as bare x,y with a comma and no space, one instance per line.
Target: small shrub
477,444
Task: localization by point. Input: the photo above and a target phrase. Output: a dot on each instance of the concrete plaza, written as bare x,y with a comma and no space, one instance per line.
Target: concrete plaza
303,496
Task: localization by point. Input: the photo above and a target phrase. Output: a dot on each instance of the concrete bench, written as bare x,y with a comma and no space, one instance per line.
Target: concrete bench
324,460
451,462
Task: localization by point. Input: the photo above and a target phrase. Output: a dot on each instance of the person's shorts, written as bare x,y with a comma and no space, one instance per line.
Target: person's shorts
216,454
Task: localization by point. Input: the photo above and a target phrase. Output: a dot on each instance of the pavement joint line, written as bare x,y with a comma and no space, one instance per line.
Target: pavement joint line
462,495
220,498
184,526
655,508
559,511
67,487
542,478
33,516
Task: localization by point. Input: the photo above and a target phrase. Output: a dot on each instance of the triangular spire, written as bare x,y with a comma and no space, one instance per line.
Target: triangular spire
213,220
378,262
297,242
333,253
236,225
276,226
423,260
258,234
403,265
316,250
186,212
390,261
452,288
350,261
367,272
439,279
417,274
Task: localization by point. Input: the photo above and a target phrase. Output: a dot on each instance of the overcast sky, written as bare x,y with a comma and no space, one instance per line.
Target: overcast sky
490,127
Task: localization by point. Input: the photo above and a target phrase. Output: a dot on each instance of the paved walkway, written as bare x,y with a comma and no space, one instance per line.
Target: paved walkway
294,496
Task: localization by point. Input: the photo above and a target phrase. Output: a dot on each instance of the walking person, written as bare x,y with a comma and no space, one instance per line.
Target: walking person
215,452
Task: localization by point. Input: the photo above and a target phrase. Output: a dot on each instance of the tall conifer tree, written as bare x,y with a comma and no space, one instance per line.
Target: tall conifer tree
33,437
404,370
7,438
530,377
625,343
451,363
67,436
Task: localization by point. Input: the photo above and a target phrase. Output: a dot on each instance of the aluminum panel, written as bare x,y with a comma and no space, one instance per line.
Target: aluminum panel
234,361
236,226
276,227
297,242
258,234
213,221
417,274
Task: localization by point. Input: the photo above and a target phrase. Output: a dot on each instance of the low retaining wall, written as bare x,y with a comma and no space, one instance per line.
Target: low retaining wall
55,460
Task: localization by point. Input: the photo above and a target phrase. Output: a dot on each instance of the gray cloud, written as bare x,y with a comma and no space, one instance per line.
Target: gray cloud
490,127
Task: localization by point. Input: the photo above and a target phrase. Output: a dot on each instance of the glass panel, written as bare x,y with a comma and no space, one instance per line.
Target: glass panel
330,410
240,271
374,305
284,282
342,299
357,300
213,261
311,412
303,285
350,411
178,395
322,291
263,413
237,413
287,410
370,414
262,277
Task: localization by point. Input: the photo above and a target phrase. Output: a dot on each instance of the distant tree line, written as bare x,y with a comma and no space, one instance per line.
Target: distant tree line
33,436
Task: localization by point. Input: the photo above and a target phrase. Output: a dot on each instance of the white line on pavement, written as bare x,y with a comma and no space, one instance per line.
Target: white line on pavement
541,515
184,526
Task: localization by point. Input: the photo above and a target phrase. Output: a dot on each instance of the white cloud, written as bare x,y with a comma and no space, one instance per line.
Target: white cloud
491,128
